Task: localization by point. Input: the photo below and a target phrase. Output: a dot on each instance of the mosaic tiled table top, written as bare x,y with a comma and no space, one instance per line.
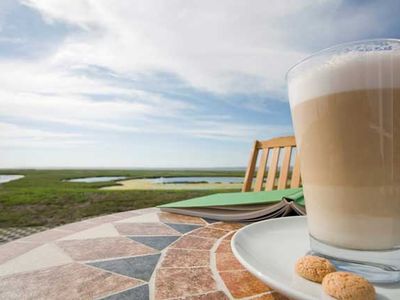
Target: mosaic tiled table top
142,254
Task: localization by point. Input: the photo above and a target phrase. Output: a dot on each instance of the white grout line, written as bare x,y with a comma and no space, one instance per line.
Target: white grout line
152,280
258,295
117,257
104,270
213,266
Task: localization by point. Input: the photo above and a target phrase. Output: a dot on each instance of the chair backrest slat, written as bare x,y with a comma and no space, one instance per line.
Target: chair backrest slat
295,182
272,170
285,168
261,171
273,147
248,178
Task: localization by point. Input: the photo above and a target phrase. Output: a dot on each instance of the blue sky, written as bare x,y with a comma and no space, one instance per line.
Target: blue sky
118,83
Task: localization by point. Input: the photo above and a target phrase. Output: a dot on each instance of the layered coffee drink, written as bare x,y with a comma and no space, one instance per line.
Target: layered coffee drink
346,115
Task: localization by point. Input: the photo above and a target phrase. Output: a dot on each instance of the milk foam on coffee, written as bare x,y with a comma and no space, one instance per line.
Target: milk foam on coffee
346,116
347,72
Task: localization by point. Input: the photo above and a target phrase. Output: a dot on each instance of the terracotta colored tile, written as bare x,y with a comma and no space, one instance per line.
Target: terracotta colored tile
224,247
72,281
46,236
209,296
145,229
210,233
229,236
227,262
193,242
271,296
101,248
226,226
176,258
175,218
183,282
13,249
243,284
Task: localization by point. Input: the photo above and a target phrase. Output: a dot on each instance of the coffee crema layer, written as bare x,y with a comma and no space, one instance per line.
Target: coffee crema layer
349,146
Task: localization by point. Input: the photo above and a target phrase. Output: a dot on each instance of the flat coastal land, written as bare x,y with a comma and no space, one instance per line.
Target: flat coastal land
143,184
45,198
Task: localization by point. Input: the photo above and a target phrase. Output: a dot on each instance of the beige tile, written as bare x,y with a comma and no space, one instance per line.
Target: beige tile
47,236
77,226
104,219
13,249
145,229
103,248
146,218
71,281
47,255
105,230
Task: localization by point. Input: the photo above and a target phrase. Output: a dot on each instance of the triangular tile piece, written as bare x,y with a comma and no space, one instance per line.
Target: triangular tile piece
183,228
137,293
47,255
152,217
156,242
105,230
140,267
210,221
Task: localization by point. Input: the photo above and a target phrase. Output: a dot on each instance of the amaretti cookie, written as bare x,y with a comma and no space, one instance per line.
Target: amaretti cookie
348,286
314,268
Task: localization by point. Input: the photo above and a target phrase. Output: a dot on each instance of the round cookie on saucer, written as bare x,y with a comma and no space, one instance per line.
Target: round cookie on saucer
348,286
314,268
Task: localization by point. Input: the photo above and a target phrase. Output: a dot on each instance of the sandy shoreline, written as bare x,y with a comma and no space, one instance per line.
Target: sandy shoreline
144,184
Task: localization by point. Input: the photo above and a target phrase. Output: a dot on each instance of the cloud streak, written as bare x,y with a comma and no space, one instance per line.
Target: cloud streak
209,73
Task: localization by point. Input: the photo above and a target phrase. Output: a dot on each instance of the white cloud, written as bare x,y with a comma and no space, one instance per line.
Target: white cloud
219,46
222,46
12,135
230,130
40,91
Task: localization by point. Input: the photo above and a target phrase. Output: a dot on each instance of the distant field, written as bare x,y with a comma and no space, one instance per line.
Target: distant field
143,184
41,198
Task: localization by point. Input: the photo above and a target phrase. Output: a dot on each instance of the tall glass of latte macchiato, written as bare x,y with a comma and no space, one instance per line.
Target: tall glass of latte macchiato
345,104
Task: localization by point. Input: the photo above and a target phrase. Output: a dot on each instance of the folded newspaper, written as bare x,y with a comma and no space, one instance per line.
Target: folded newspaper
245,207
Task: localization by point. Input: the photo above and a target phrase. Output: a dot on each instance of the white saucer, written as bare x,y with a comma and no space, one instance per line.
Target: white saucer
269,250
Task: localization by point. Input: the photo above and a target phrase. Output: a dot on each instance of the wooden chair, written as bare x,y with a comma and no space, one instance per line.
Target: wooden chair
273,147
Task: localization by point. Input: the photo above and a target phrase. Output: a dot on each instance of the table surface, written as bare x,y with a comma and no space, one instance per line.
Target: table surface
139,254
